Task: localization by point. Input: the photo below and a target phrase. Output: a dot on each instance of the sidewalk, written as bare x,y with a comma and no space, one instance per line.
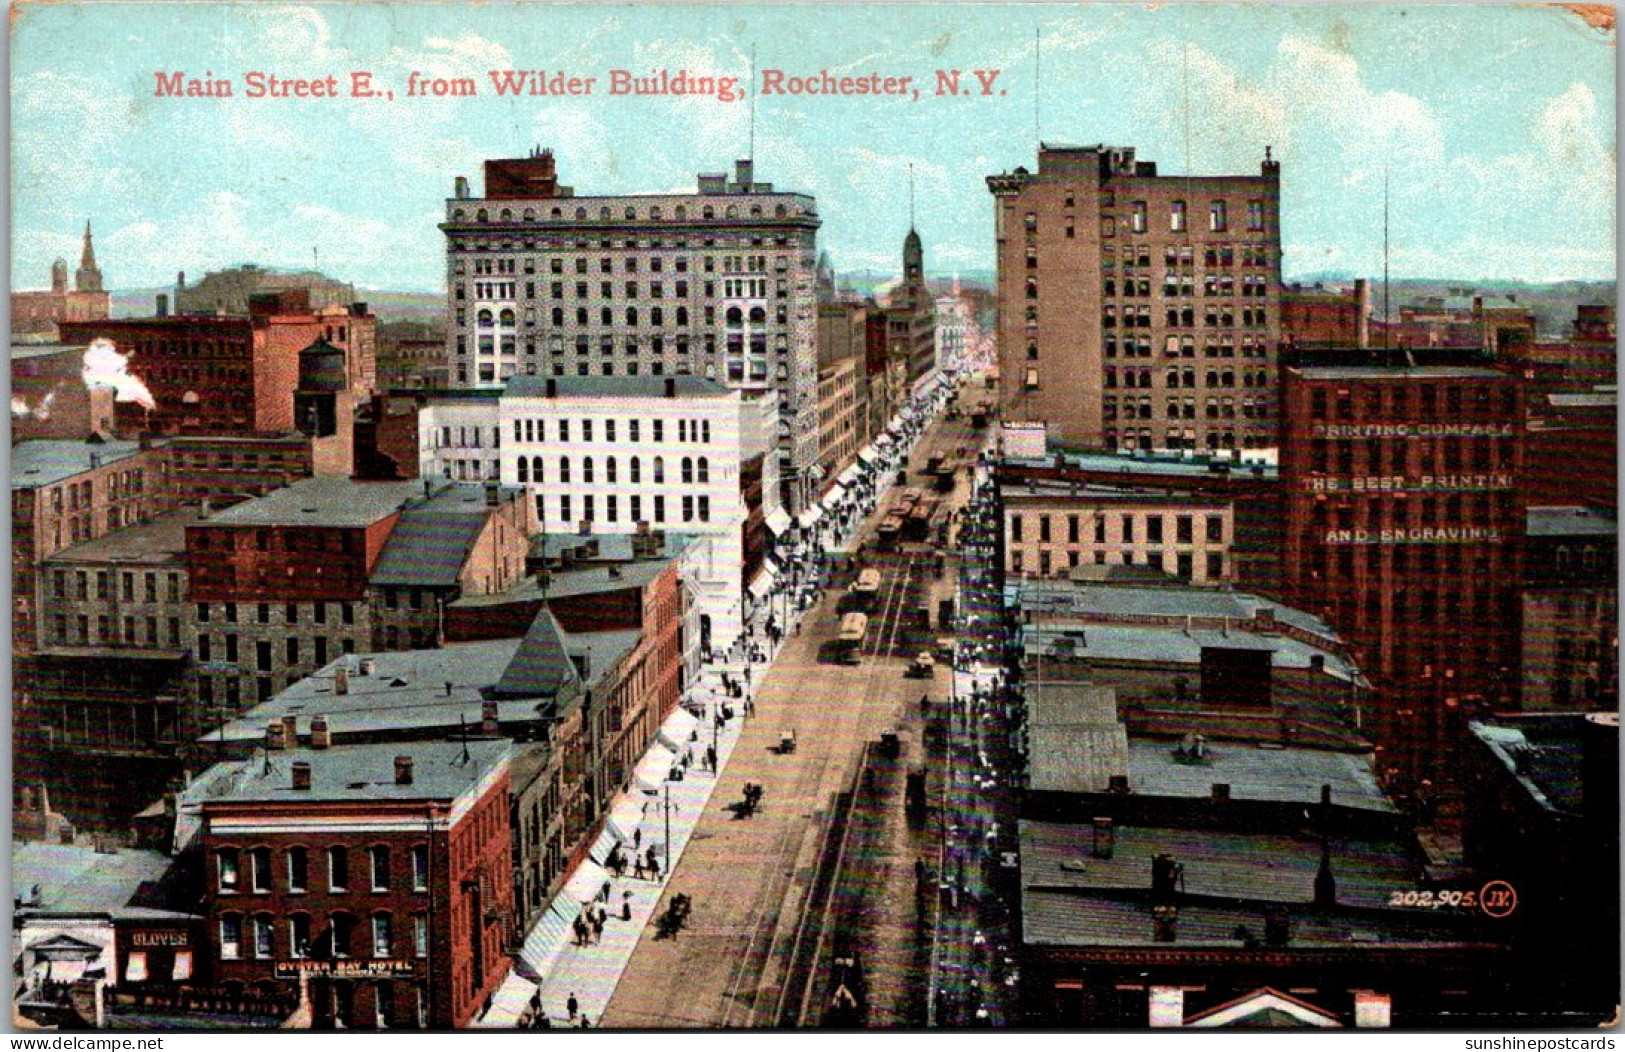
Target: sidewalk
590,973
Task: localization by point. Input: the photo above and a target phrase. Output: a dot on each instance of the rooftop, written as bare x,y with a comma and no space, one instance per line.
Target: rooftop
1175,600
1127,464
1275,775
46,461
1568,521
432,540
1386,372
75,878
161,539
610,547
441,770
1546,753
615,387
325,501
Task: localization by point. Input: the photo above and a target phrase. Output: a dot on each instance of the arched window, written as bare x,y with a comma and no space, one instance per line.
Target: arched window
636,471
341,933
524,470
758,315
298,935
603,213
609,469
631,213
228,878
779,212
586,469
660,469
682,213
536,470
703,470
564,469
507,215
485,317
733,212
261,937
709,212
581,213
688,471
506,317
735,316
458,213
482,215
530,215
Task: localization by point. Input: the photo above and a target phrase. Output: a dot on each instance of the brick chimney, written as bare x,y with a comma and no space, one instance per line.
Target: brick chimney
403,770
273,736
290,732
341,681
1105,838
301,774
320,736
1221,792
488,719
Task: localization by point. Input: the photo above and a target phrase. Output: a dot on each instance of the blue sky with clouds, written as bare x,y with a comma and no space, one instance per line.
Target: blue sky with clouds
1496,125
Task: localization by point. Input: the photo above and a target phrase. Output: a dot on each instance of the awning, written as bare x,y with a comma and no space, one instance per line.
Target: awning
813,515
653,768
586,882
868,455
764,581
848,476
778,520
625,816
678,726
835,492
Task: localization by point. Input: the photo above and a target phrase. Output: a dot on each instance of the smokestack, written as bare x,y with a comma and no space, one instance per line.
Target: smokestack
1221,792
1105,838
163,305
1277,928
301,774
1165,923
273,736
341,681
1117,783
320,736
290,732
488,719
403,770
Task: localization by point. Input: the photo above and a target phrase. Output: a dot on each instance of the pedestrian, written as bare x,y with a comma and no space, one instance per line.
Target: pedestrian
604,892
597,927
637,838
626,906
572,1005
584,1024
637,868
711,757
580,931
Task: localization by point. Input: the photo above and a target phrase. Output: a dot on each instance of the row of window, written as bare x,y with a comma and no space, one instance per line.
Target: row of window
1413,456
317,613
253,870
120,485
105,580
1175,346
1175,379
1184,563
306,936
1149,526
628,213
1185,285
695,509
1172,438
1394,400
693,471
532,429
107,633
1215,317
1182,408
606,264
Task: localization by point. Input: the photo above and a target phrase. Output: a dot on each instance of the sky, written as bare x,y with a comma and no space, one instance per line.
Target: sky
1494,125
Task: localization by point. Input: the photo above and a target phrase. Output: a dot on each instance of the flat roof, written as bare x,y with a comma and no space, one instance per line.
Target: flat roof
1276,775
1567,521
441,770
612,547
1172,645
75,878
1173,600
1400,372
164,538
1193,467
46,461
325,501
616,387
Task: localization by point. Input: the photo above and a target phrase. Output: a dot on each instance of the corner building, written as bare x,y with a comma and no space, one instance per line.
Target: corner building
716,284
1138,311
1405,530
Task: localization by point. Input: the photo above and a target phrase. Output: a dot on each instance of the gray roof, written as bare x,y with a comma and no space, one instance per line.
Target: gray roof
78,879
612,547
1194,467
406,689
1076,759
324,501
589,579
541,667
615,387
45,461
1399,372
162,539
1569,521
431,542
442,770
1063,703
1172,645
1271,774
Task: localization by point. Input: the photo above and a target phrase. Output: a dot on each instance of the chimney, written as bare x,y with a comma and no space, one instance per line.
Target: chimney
320,736
290,732
301,774
163,305
403,770
493,493
1221,792
583,664
1325,883
368,665
745,173
1118,783
1167,1006
1277,928
1372,1010
1165,874
1105,838
488,719
460,188
341,680
671,387
1165,923
273,736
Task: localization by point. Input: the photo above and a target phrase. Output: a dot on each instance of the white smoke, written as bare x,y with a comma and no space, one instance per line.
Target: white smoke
19,407
105,367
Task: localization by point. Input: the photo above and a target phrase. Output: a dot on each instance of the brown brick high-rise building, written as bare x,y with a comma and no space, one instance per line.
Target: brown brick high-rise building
1404,531
1138,311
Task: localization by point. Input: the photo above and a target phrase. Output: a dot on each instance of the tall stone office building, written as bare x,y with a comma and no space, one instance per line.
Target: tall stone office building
1138,311
718,284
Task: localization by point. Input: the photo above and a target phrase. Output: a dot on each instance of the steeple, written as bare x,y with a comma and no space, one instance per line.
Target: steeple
88,278
913,259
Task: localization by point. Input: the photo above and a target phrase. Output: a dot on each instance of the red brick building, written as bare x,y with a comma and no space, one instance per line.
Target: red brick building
1404,530
381,872
42,312
1322,317
231,374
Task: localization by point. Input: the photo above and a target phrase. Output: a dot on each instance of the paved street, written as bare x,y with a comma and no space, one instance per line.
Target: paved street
750,878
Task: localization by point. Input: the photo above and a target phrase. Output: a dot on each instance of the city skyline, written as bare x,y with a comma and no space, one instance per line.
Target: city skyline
1486,181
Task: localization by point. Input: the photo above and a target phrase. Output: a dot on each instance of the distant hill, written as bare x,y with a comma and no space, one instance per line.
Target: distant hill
388,305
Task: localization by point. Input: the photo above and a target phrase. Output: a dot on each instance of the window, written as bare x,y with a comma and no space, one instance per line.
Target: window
341,933
378,856
1176,216
226,867
299,935
231,937
1153,529
262,936
259,863
1137,221
298,869
135,969
182,969
381,942
1183,526
420,935
338,869
1216,217
1215,529
1255,215
1215,565
420,867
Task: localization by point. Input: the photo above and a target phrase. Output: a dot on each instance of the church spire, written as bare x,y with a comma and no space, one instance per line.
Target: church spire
88,278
